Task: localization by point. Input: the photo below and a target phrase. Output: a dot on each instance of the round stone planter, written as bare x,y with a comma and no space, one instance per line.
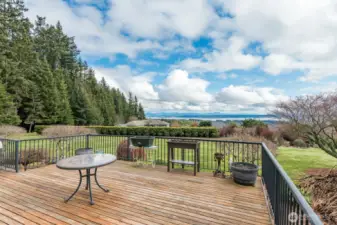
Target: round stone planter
244,173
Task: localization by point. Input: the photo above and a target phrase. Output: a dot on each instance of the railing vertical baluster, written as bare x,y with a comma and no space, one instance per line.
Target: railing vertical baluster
128,150
17,155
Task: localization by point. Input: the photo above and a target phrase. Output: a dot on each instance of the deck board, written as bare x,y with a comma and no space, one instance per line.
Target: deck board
137,196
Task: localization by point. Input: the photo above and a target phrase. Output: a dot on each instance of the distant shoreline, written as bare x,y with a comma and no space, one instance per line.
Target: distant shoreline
211,116
215,119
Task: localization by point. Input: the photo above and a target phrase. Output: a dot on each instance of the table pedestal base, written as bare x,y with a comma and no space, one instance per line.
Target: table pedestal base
88,185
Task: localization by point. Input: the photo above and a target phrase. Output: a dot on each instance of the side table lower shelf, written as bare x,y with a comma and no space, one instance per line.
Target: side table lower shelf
148,156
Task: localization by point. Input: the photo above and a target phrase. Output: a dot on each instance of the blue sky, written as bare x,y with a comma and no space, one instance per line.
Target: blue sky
229,56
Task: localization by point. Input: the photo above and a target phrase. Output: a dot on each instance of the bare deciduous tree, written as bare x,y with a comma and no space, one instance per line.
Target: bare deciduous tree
315,116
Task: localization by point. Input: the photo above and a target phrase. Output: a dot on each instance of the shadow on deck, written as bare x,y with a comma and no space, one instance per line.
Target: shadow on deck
137,196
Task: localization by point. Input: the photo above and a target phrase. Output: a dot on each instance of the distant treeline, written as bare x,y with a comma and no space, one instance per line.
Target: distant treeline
44,79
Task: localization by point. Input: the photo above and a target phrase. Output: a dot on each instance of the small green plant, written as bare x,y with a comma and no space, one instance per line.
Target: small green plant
299,143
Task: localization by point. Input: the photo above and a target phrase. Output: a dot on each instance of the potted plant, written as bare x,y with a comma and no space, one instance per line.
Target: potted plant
142,141
244,173
244,169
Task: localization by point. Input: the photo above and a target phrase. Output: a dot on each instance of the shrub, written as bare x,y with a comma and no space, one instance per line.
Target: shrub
205,123
159,131
271,145
252,123
34,155
6,130
228,130
288,132
299,143
122,152
64,130
264,132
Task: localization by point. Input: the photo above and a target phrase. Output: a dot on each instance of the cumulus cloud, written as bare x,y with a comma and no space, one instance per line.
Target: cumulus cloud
229,58
86,24
247,95
299,35
123,78
178,86
160,19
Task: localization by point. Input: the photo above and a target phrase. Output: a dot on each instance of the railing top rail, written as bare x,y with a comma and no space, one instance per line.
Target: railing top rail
314,219
44,138
186,138
163,137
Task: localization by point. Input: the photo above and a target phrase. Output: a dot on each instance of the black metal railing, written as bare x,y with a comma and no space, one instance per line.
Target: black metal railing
288,205
9,151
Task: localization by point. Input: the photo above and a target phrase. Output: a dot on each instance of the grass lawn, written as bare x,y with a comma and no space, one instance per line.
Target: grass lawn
295,161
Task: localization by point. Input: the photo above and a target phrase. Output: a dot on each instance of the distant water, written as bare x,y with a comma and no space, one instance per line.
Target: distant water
210,116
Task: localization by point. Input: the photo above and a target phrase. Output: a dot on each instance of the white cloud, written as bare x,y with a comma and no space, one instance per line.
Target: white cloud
178,86
299,35
275,64
85,23
226,59
127,81
247,95
159,19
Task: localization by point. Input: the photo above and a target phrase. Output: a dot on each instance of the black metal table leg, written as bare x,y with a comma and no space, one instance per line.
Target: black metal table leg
78,187
101,187
89,184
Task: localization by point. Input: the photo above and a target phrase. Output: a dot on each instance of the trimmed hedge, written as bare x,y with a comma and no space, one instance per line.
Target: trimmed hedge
152,131
159,131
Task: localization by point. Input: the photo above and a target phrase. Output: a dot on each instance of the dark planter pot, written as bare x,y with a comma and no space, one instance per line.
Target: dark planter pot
142,141
244,173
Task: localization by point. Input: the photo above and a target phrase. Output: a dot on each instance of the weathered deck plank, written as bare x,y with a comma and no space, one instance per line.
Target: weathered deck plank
137,196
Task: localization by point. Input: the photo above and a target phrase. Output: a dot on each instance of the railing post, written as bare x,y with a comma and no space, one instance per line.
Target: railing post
87,141
17,155
129,150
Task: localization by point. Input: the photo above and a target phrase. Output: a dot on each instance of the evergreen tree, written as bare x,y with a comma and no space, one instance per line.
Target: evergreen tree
45,79
8,111
64,114
141,113
135,106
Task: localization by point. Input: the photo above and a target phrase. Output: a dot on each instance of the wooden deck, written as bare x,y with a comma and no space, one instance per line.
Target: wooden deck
137,196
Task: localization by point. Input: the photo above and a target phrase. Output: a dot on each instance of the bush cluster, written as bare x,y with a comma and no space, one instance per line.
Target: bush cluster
228,130
253,123
65,130
205,123
299,143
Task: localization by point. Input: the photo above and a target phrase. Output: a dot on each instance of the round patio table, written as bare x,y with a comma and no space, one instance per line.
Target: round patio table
86,162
